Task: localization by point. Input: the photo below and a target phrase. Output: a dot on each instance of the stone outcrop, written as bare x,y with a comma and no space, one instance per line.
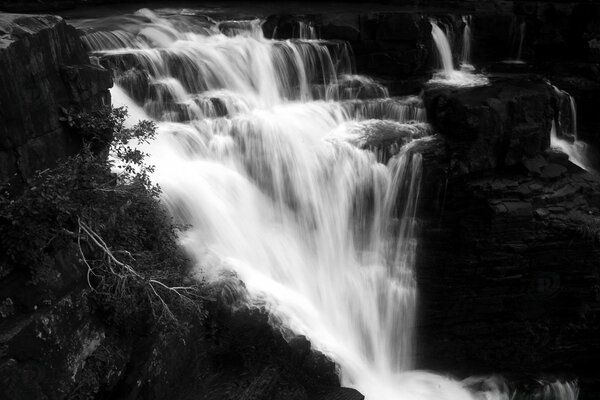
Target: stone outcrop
509,250
66,351
43,67
495,125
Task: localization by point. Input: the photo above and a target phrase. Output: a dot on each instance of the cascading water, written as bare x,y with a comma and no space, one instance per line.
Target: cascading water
261,149
466,44
517,33
448,74
576,149
444,49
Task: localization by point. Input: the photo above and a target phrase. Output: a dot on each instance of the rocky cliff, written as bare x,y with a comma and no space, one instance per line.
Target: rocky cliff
509,250
43,67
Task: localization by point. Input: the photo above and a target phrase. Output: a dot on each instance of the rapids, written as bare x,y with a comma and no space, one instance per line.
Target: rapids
295,174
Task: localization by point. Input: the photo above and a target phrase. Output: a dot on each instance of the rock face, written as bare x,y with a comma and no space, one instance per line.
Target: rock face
394,46
66,351
495,125
43,66
509,253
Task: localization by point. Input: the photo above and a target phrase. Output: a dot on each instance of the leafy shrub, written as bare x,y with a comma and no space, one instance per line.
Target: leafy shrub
113,223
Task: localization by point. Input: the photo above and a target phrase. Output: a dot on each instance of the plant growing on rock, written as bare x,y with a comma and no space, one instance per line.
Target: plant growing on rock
111,225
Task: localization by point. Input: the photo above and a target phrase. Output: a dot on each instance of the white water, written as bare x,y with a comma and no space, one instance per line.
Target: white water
576,149
448,74
278,189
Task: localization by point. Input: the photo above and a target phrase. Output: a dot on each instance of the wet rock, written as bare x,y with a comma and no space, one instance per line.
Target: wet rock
385,138
136,83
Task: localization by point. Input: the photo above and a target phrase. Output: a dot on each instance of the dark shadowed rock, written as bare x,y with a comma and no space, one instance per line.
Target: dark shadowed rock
43,67
343,394
494,125
509,248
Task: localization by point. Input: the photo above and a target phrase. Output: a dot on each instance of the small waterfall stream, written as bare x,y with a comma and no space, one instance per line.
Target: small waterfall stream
448,75
444,49
520,38
295,174
517,33
576,149
465,58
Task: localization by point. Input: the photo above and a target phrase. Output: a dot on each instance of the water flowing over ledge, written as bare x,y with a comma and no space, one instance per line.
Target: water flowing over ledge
448,75
261,151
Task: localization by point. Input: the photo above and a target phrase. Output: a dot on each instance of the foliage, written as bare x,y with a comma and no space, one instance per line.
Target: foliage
112,224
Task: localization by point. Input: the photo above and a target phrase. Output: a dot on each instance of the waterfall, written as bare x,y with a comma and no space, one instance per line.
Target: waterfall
448,75
307,31
443,47
517,34
576,149
295,175
466,42
573,108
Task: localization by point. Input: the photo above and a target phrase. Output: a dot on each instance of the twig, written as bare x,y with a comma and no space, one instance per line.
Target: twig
126,271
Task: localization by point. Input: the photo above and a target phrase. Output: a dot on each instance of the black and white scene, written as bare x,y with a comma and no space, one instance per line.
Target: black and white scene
299,200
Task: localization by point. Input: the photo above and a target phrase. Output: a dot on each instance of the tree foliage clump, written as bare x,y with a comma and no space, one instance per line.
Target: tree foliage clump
111,223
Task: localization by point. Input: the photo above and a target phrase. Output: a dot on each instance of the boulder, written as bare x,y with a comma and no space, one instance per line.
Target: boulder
494,125
43,67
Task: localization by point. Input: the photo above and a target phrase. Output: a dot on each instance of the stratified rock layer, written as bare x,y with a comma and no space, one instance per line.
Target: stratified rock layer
43,67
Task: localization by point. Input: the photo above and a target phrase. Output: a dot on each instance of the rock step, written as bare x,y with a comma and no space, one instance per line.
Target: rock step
396,109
